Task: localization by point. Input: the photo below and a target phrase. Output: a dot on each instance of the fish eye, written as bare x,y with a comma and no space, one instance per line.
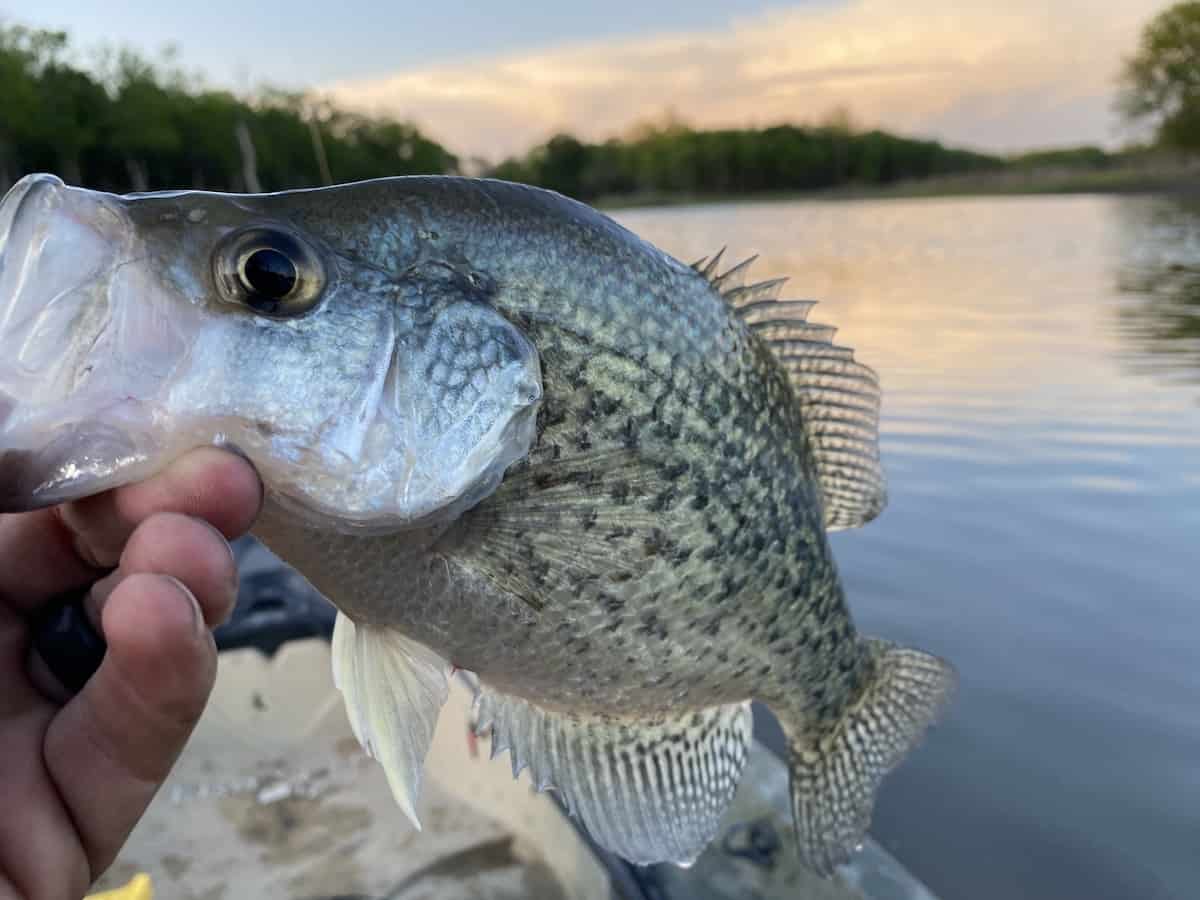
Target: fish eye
270,271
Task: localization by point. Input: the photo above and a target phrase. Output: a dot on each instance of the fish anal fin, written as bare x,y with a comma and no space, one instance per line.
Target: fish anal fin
648,791
835,775
394,689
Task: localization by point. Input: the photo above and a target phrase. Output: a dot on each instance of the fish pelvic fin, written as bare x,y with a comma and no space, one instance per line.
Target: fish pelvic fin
839,397
834,775
650,791
394,689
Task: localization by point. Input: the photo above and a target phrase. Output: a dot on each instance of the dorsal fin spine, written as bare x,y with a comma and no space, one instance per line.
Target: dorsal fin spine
710,269
734,277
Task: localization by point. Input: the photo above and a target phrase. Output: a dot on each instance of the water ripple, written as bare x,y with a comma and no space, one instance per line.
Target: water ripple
1041,433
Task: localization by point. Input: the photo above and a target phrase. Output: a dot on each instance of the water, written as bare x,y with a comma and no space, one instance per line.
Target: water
1041,433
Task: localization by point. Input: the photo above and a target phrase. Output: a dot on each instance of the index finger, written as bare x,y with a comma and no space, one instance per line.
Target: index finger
50,551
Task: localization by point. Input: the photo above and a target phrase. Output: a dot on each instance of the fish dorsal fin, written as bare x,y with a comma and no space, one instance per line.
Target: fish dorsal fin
839,398
394,689
650,791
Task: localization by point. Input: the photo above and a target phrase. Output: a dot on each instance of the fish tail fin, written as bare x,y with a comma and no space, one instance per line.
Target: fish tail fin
835,773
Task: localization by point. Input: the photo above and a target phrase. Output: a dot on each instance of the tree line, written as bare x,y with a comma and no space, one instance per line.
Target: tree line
127,123
675,159
133,124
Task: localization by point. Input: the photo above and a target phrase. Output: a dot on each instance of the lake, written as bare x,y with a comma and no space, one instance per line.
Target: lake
1041,433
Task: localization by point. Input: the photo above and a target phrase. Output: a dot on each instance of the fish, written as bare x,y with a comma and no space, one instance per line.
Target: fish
505,437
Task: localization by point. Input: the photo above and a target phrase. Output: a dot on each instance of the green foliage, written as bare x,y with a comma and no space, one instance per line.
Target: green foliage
141,125
674,159
1084,157
137,124
1161,81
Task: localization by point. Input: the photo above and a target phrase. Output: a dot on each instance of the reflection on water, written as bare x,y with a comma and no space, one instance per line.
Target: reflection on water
1159,280
1041,434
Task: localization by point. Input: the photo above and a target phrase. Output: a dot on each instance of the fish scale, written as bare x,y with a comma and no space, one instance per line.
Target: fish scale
505,436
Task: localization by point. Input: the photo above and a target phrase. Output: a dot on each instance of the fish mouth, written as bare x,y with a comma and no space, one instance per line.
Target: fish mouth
66,429
78,462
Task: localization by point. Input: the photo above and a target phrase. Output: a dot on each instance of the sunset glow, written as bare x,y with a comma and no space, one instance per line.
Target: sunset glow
994,76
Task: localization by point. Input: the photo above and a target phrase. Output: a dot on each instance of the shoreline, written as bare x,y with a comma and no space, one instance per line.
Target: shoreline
1181,180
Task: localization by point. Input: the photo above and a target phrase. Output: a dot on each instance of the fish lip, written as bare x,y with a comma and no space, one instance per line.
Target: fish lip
77,461
15,497
21,484
54,445
16,198
46,277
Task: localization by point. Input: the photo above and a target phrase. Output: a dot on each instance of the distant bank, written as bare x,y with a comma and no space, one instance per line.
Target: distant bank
1178,178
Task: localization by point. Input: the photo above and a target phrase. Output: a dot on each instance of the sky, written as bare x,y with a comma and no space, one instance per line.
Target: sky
491,79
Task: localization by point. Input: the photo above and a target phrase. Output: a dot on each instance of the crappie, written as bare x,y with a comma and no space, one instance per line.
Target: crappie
502,435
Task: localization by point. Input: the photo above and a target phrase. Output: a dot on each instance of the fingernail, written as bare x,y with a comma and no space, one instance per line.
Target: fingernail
197,616
97,596
234,577
97,558
224,543
233,448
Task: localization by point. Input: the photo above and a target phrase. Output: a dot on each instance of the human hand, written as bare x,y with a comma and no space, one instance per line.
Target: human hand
75,778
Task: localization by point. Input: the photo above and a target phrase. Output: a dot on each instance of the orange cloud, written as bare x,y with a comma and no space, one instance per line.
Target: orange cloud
999,76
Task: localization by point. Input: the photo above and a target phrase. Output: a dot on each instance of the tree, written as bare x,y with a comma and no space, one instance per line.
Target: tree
142,121
134,122
29,127
1161,81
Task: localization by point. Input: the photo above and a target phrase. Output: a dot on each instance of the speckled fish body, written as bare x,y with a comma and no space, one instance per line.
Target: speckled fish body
663,542
506,436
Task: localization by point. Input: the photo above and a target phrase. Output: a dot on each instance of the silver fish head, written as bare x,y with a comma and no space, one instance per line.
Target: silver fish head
371,384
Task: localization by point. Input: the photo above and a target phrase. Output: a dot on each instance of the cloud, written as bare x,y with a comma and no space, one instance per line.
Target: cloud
971,72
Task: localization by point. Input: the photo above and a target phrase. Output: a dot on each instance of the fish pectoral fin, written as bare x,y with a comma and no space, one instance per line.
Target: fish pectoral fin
394,689
650,791
560,508
839,397
834,775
